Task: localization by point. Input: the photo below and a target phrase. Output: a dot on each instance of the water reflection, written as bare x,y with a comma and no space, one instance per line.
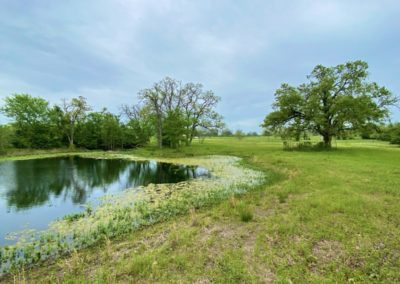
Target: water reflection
38,191
29,183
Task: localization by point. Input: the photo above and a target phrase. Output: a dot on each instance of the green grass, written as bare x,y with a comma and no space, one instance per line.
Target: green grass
324,217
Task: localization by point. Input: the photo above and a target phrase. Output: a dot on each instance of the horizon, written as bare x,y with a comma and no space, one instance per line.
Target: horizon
109,51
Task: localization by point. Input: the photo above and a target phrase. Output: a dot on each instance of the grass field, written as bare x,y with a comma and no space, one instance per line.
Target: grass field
323,217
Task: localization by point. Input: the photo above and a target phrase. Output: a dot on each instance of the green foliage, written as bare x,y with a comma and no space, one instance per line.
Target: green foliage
394,132
136,133
74,111
35,123
111,132
6,136
335,100
390,133
25,109
172,111
188,103
174,128
369,131
139,128
104,130
88,132
56,124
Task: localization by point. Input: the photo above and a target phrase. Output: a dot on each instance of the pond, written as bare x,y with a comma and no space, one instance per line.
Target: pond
35,192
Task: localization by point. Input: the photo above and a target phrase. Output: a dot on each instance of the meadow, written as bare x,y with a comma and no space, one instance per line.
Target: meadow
321,217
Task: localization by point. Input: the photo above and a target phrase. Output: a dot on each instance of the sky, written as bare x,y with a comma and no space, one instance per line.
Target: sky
107,51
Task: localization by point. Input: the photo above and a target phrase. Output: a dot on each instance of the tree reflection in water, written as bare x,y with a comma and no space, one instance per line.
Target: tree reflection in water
29,183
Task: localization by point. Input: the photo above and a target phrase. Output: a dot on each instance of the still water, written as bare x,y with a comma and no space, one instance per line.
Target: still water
35,192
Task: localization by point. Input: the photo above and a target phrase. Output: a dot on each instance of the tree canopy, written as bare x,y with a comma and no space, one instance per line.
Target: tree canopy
334,100
35,123
179,110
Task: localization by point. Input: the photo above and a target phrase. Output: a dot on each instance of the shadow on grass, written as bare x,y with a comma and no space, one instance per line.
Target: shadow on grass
308,146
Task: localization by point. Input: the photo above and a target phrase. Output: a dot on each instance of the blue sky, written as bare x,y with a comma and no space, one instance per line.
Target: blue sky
242,50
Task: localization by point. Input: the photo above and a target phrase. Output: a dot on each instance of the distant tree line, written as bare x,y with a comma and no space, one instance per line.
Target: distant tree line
36,124
389,132
171,111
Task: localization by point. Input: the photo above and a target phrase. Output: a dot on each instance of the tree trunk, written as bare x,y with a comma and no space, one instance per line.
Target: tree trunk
71,134
191,138
327,140
159,137
192,131
159,131
187,137
71,142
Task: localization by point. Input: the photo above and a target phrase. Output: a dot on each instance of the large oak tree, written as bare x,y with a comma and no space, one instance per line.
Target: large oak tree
335,99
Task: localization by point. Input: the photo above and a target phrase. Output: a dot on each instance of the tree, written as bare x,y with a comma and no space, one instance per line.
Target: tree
139,126
335,99
55,129
169,97
174,128
158,98
111,132
31,120
74,111
198,109
88,131
100,130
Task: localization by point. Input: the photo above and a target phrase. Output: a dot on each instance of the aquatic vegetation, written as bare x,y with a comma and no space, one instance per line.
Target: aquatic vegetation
133,208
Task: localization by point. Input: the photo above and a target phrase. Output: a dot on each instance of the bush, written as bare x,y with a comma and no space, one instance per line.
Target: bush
395,140
395,134
390,133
